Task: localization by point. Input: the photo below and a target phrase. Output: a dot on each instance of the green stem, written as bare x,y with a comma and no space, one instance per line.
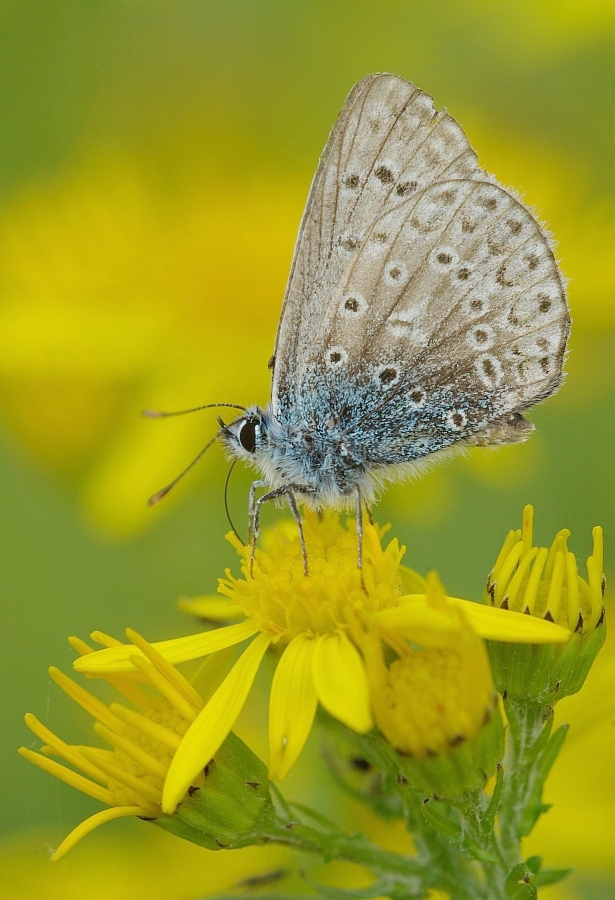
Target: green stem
526,732
406,875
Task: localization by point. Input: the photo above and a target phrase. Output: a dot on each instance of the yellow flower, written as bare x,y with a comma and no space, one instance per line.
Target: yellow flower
322,621
429,699
143,738
545,583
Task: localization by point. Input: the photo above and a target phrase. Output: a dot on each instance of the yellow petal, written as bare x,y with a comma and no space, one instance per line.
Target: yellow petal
211,727
417,621
496,624
292,706
341,682
117,659
211,608
99,818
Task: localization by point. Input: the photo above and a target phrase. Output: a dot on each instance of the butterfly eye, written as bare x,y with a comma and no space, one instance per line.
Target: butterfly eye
247,436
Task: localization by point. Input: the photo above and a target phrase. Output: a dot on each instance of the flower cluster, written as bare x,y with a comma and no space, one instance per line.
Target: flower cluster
387,656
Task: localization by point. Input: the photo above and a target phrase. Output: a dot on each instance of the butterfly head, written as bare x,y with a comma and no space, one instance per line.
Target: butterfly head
246,435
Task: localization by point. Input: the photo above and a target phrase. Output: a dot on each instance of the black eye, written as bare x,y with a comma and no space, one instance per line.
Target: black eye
247,436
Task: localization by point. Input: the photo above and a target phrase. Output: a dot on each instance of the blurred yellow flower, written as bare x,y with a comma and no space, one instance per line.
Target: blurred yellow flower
118,296
323,619
137,866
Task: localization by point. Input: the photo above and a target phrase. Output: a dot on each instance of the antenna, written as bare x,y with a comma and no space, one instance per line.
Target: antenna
155,498
160,414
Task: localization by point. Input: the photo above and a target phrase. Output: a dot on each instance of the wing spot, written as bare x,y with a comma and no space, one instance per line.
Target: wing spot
405,187
349,243
489,371
351,181
463,274
446,197
544,364
495,248
443,258
384,174
380,237
388,375
482,337
489,203
417,398
353,304
544,302
514,225
500,277
468,226
476,305
395,274
542,343
456,419
532,261
336,357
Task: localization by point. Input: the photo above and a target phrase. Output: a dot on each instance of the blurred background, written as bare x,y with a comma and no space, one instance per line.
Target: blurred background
155,158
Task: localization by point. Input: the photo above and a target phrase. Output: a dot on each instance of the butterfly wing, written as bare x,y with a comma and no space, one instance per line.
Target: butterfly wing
425,305
387,145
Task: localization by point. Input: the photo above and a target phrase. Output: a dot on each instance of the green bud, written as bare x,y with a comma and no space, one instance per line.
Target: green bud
226,810
462,768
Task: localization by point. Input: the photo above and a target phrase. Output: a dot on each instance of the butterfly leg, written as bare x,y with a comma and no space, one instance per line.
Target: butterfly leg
297,517
273,495
252,505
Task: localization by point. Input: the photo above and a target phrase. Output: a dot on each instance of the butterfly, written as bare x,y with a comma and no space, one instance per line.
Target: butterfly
424,312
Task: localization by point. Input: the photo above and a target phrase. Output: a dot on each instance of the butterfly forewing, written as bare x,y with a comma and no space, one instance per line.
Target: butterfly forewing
388,144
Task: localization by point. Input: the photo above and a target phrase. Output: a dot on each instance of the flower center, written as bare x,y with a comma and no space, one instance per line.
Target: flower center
284,602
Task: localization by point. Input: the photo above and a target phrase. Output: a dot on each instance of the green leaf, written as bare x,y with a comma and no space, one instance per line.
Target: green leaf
488,819
534,863
551,751
379,888
442,821
479,852
551,876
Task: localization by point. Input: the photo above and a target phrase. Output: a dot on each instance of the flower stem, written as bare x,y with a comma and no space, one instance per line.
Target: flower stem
529,729
406,876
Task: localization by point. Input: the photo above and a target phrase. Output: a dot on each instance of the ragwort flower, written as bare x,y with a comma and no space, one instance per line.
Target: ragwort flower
322,620
222,804
545,583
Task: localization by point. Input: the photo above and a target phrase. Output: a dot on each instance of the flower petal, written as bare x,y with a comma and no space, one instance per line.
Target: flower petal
341,682
99,818
212,725
417,621
212,608
292,706
495,624
117,659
